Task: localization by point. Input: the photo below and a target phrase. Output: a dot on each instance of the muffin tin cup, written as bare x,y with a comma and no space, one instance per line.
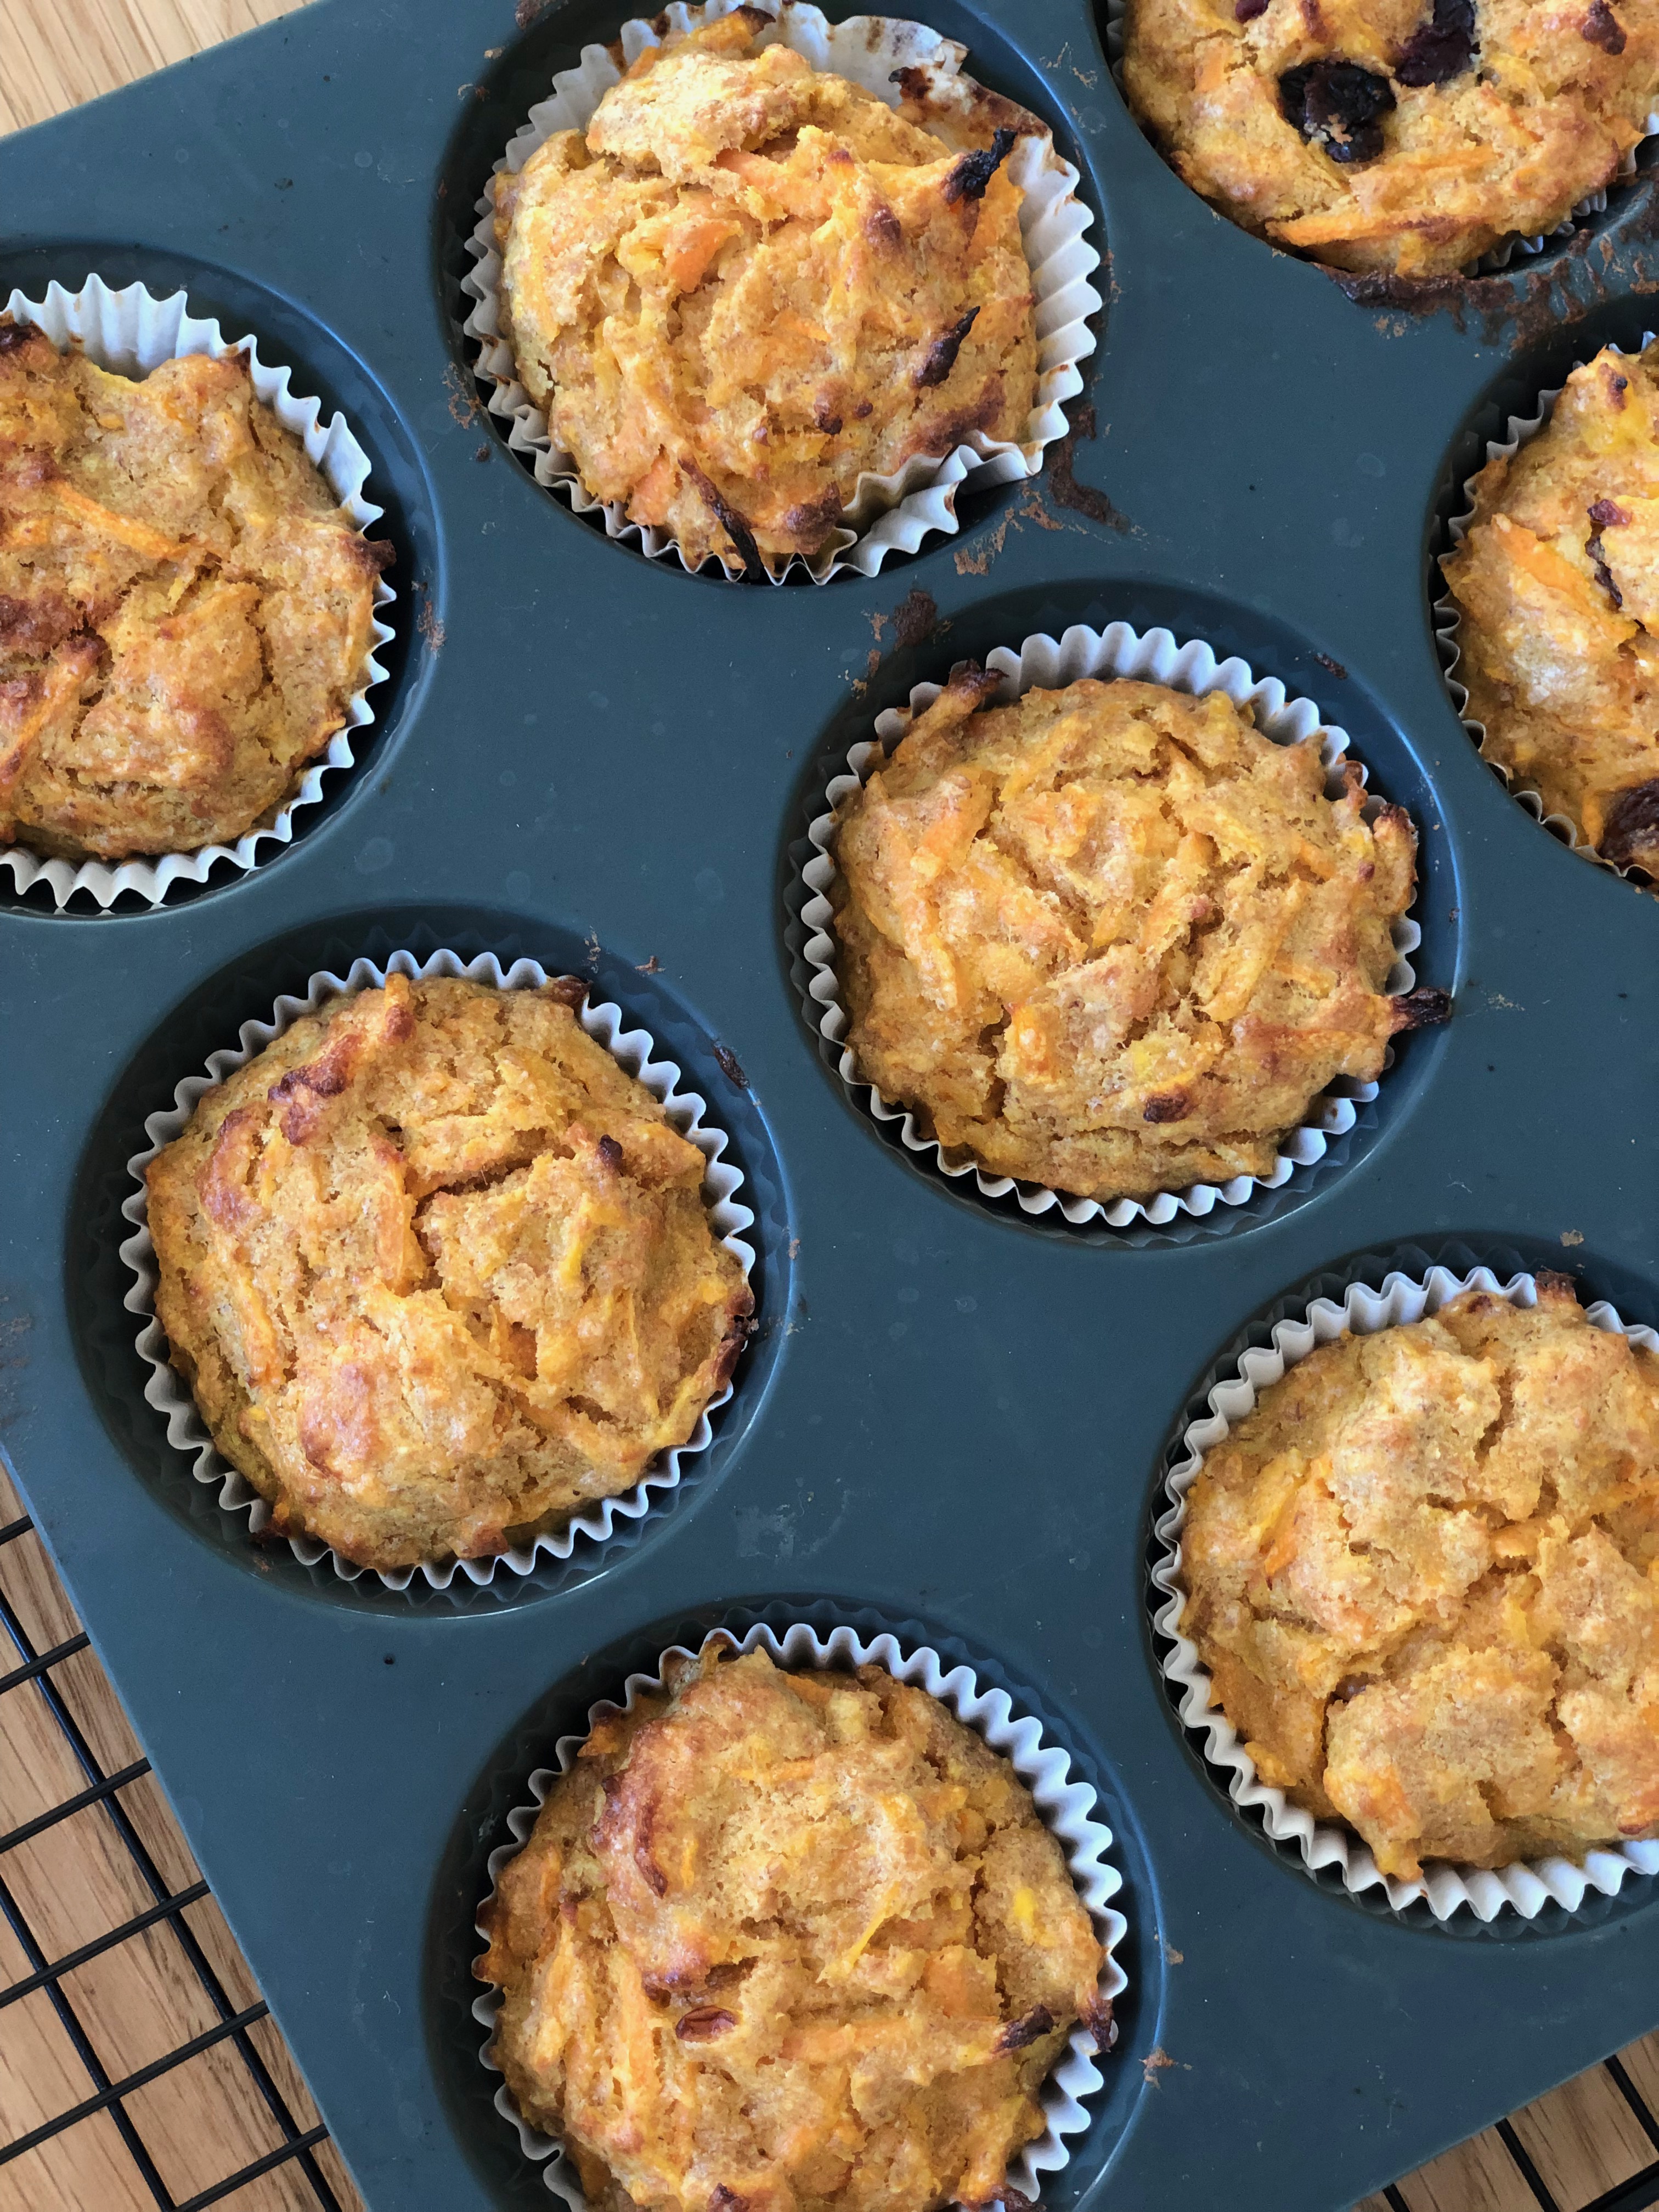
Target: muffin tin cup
166,1390
1521,430
1067,1805
1524,1888
1117,651
888,514
1497,257
130,332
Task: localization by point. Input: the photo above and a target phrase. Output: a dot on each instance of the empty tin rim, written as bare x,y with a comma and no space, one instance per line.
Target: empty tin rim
888,514
633,1049
1117,651
1524,1887
1520,430
130,332
1067,1804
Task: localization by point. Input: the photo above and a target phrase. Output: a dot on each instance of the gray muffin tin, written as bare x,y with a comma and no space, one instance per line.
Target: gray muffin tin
953,1421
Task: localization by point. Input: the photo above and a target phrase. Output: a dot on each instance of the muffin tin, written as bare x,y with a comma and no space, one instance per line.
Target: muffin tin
955,1418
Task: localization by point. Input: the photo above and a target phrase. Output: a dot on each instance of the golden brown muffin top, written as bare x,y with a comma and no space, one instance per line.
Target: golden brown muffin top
185,610
1423,1574
438,1271
1394,134
751,282
789,1941
1556,582
1112,938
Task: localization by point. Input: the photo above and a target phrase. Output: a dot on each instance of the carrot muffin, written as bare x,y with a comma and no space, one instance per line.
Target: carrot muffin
788,1940
750,281
1390,135
1112,938
184,609
1556,583
439,1271
1424,1575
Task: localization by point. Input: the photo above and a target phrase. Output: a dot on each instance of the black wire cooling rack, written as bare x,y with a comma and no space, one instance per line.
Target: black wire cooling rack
299,2144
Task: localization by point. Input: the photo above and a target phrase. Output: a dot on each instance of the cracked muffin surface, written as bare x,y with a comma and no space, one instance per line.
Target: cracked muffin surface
1424,1575
1407,136
1113,938
184,609
1557,583
788,1940
750,281
439,1271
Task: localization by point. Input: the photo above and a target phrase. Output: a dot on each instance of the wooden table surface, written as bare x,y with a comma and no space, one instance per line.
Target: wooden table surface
1581,2145
56,53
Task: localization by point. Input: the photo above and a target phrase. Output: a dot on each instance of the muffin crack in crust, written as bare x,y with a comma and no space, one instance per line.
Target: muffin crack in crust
1374,135
185,610
439,1271
1424,1576
1557,584
788,1940
751,282
1112,938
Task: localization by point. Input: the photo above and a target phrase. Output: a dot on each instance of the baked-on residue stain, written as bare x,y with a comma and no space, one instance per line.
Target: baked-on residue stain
464,405
1083,498
915,619
1519,312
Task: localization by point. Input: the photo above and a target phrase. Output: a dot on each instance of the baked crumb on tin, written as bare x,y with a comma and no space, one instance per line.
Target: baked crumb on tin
751,282
1112,938
439,1271
184,609
1557,586
788,1939
1394,134
1423,1573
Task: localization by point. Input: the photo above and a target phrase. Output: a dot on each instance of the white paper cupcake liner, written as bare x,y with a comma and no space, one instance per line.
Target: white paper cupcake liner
167,1390
130,333
1068,1810
1497,257
1447,624
1156,658
888,514
1446,1889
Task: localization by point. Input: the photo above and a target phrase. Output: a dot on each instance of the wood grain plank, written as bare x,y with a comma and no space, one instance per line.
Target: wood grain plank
176,2116
26,1575
1478,2176
85,2166
42,2074
75,1881
38,1769
56,53
1641,2062
1584,2139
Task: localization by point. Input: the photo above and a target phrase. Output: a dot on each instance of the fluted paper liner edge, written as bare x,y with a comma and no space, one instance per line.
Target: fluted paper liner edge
130,332
1525,1887
888,514
166,1390
1067,1805
1117,651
